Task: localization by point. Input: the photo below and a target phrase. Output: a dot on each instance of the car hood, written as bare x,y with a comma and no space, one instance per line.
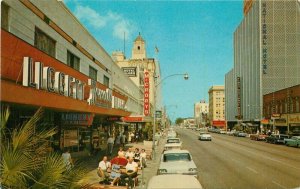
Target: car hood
205,135
173,144
177,166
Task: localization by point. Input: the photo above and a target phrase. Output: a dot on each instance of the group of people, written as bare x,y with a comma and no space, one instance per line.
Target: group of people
107,171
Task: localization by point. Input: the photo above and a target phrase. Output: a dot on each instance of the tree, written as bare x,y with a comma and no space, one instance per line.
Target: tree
25,162
179,121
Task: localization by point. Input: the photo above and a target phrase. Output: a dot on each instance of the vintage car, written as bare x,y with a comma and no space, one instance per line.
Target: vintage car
173,143
239,134
177,162
258,137
276,139
294,141
174,182
172,134
204,136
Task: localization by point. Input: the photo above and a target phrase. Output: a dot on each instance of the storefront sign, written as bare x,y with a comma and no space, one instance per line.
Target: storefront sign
129,71
281,121
132,119
264,38
114,118
82,119
294,118
41,77
146,94
218,123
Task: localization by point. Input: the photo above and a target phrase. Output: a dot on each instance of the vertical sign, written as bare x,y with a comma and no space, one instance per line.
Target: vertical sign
264,39
146,94
238,84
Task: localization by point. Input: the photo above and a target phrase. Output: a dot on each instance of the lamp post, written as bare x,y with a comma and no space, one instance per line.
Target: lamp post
186,77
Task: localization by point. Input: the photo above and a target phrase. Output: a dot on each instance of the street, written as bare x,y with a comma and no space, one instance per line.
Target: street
234,162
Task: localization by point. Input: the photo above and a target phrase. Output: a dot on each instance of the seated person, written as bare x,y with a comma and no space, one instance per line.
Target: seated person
121,153
129,153
103,170
130,172
137,155
115,173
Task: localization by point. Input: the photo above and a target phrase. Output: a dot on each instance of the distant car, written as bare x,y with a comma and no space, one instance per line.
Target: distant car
258,137
276,139
230,133
171,134
294,141
174,182
239,134
222,131
204,136
177,162
173,143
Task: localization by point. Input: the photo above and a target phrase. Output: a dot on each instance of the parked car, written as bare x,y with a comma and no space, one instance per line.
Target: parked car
230,133
174,182
294,141
222,131
177,162
173,143
258,137
172,134
239,134
204,136
276,139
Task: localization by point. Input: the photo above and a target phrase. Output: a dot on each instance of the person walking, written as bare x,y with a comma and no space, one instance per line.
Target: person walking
66,156
123,139
110,145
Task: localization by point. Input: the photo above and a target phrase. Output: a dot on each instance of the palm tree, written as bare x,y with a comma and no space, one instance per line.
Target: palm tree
25,163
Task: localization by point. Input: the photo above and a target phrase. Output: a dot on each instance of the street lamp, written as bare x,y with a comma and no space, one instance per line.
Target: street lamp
186,77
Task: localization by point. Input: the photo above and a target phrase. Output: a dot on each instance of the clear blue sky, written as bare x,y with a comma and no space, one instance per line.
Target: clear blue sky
192,36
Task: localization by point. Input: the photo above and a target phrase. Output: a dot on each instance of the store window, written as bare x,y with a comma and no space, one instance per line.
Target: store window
106,81
43,42
73,61
93,73
4,16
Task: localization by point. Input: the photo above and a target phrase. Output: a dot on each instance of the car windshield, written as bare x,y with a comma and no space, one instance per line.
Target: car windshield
173,141
177,157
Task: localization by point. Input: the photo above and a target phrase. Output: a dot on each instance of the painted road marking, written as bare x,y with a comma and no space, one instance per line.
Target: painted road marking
274,182
253,170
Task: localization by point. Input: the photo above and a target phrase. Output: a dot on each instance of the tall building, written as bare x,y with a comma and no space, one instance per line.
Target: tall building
200,112
49,60
266,58
216,112
145,73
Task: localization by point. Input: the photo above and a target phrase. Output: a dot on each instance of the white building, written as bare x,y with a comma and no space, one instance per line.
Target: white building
201,112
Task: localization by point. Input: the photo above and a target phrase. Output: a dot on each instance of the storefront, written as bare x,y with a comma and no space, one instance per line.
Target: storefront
294,124
281,124
219,124
73,103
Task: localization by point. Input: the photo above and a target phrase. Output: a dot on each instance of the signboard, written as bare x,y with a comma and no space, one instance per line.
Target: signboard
218,123
113,118
129,71
146,94
81,119
294,118
238,84
132,119
264,38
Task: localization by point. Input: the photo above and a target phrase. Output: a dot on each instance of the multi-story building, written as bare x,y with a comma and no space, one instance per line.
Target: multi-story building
216,113
200,113
281,110
266,57
145,73
49,60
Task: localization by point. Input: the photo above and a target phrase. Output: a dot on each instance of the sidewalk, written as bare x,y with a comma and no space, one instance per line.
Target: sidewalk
146,173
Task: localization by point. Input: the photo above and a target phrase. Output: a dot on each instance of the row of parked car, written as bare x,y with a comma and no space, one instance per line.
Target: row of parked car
177,168
273,138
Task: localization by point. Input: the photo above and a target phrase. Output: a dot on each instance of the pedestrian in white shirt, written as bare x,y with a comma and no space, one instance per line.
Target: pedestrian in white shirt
129,153
143,157
66,156
110,145
131,172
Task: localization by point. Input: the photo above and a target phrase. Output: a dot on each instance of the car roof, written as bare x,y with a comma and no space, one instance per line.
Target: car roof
173,138
176,151
174,182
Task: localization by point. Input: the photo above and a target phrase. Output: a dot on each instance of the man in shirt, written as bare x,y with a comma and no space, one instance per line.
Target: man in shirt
129,153
110,145
131,172
103,168
66,156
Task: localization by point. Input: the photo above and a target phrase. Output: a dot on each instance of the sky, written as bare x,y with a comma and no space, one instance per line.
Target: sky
194,37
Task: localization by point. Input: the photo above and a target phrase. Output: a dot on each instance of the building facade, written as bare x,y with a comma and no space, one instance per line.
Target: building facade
266,57
281,110
49,60
216,113
201,113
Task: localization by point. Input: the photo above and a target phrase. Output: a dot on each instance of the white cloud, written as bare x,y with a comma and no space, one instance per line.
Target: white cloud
117,23
90,16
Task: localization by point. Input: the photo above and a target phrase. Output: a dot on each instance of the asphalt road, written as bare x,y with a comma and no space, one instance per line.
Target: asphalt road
234,162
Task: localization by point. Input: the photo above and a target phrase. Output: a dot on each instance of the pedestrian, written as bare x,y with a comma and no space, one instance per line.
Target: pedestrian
143,157
110,145
104,168
129,137
118,140
121,153
66,156
130,172
132,137
137,155
123,139
136,137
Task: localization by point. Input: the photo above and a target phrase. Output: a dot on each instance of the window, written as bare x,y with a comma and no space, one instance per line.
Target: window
43,42
297,104
73,61
291,106
106,81
93,73
138,47
4,15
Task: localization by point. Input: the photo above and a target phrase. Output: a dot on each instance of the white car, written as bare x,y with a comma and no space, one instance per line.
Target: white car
174,182
204,136
177,162
173,143
171,134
